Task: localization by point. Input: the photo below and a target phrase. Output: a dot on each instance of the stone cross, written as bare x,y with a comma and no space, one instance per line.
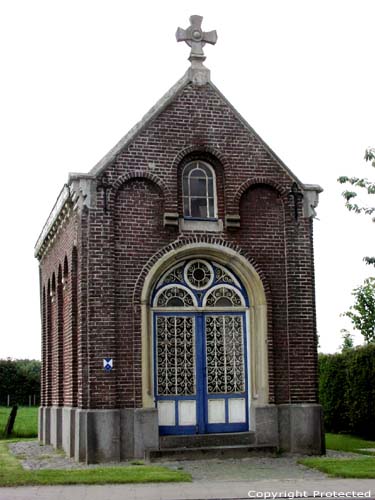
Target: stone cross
196,38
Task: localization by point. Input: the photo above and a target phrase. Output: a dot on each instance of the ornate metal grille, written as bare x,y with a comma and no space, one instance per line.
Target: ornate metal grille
225,356
175,341
175,296
176,275
199,274
223,297
223,277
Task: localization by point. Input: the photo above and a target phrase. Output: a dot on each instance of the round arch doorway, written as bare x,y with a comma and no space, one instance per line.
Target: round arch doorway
199,310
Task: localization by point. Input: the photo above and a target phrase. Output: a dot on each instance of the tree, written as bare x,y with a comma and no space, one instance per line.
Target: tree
363,184
362,313
347,340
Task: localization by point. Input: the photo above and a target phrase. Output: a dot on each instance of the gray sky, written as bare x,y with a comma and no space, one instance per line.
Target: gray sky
76,75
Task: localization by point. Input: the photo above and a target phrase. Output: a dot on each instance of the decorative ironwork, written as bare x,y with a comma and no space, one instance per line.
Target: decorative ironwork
223,277
223,296
176,275
199,274
175,296
224,354
175,340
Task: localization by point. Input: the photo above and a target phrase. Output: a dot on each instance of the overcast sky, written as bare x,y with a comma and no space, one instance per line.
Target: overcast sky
76,75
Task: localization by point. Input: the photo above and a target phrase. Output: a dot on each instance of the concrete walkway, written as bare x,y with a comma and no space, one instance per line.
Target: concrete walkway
323,488
253,477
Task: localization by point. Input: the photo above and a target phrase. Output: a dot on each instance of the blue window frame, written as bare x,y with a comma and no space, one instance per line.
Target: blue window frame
200,350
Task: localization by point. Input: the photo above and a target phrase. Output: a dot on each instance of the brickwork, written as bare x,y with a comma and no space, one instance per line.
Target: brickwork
57,319
118,238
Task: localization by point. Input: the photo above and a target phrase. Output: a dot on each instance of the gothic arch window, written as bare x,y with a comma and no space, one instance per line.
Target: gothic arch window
199,190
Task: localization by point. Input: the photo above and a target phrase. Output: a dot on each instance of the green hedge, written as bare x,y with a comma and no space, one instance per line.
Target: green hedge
20,378
347,391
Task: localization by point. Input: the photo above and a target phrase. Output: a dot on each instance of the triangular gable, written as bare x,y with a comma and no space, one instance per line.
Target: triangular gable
158,108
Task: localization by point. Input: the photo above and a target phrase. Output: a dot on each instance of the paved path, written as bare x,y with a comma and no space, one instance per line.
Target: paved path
196,490
255,477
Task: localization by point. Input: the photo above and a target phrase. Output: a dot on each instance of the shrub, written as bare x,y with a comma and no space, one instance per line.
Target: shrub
347,391
19,379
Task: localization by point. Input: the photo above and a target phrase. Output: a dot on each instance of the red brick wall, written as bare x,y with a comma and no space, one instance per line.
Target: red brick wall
115,248
57,342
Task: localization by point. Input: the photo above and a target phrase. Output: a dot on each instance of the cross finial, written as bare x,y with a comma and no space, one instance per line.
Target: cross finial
196,39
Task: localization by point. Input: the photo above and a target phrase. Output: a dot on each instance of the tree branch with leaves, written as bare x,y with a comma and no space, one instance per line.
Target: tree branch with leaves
362,184
362,313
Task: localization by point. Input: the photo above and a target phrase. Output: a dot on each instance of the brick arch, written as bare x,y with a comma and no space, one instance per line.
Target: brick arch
180,243
59,339
200,148
256,285
48,358
138,174
44,347
74,325
66,267
257,181
205,153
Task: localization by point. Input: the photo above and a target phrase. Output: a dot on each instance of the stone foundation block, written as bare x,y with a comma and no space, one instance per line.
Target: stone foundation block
46,425
267,425
68,430
103,436
40,423
56,426
301,428
139,432
80,437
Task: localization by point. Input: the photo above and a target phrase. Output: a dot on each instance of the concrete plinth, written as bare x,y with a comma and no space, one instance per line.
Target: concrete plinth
267,425
103,436
301,428
139,432
40,423
46,425
95,436
112,435
56,426
80,436
68,430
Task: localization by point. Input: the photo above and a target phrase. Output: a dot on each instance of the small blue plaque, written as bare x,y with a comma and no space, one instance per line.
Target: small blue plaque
108,364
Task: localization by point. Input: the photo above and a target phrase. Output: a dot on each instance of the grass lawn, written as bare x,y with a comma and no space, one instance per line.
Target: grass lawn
26,424
361,467
12,473
345,442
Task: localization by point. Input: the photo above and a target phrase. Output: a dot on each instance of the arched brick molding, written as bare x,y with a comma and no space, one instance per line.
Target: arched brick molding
197,239
66,333
48,389
257,287
218,167
44,349
74,324
137,174
200,149
256,181
59,339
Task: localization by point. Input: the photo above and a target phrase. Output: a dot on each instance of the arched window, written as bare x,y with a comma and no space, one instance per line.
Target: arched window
199,190
200,341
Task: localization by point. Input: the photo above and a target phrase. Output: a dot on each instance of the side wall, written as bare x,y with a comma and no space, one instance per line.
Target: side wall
61,383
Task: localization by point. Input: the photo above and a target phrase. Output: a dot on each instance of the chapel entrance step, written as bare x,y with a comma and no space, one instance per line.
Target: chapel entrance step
203,453
204,440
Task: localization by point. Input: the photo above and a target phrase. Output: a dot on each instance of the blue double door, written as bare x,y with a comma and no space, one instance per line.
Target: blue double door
201,382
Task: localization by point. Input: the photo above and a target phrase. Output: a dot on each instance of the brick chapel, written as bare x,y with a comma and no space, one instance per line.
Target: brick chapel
177,290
